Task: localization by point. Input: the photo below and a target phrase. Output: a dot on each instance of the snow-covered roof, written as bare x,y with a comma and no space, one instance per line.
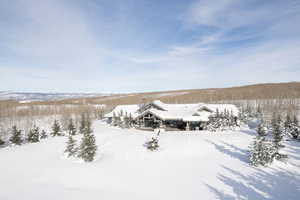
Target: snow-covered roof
177,107
129,109
185,112
221,108
188,112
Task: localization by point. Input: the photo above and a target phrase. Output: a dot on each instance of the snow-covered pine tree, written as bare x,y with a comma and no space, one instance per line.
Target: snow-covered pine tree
114,119
212,124
217,115
130,120
152,144
249,111
56,130
71,149
295,129
71,128
258,113
119,119
274,120
277,131
262,151
88,147
43,134
82,123
288,125
262,129
34,135
126,121
16,137
232,121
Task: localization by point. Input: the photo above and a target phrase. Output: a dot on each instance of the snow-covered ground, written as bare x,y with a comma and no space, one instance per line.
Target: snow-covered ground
188,165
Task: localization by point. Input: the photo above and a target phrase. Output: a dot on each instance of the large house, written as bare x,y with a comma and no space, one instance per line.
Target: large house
171,116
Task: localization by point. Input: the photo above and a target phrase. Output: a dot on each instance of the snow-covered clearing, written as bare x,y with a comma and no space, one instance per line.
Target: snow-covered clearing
188,165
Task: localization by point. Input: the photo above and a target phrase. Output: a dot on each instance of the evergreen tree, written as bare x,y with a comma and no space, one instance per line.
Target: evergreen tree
274,120
82,123
34,135
152,145
43,135
130,120
88,147
114,119
232,120
288,125
71,128
262,129
56,130
217,115
295,129
258,111
71,149
16,137
121,113
277,132
262,152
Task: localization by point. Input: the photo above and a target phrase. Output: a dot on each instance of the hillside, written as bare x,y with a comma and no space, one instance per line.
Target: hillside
250,92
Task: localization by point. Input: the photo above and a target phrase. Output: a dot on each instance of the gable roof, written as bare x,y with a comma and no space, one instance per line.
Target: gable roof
129,109
221,108
184,112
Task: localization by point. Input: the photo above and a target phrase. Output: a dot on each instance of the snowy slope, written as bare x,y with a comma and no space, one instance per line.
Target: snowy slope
189,165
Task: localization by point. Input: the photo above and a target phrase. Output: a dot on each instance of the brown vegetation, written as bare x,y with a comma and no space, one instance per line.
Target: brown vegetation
282,97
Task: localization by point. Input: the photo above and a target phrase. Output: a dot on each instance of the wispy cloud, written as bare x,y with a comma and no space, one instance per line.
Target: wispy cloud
119,46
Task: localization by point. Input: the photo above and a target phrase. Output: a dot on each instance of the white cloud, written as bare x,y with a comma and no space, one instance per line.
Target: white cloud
57,49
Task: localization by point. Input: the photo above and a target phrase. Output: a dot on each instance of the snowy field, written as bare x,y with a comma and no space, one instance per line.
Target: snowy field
188,165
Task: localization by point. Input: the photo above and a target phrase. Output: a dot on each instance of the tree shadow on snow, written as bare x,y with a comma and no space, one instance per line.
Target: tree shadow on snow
231,150
248,132
277,184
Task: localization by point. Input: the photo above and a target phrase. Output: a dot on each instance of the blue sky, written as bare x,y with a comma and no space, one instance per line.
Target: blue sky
146,45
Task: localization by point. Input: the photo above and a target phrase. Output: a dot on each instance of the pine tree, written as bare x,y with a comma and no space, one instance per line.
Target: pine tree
88,147
274,120
287,124
34,135
258,111
82,123
43,135
121,113
130,120
217,115
16,137
232,120
262,152
71,128
71,149
277,132
295,129
56,130
152,145
262,129
114,119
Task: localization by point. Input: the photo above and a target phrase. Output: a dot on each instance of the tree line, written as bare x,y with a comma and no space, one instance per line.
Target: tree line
85,150
270,136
